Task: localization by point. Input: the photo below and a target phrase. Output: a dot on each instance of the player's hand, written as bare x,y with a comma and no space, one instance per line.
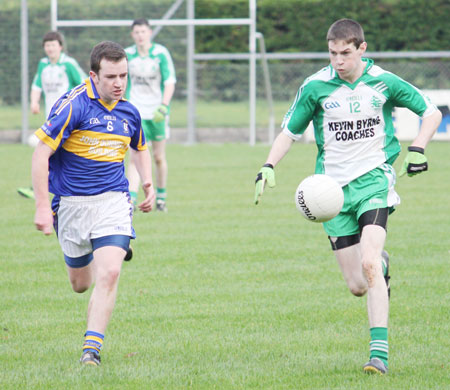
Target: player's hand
35,109
43,220
160,114
149,192
266,174
415,162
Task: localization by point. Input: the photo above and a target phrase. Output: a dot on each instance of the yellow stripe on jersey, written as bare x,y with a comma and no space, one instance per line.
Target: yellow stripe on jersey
89,90
109,107
53,143
140,146
68,100
91,94
96,146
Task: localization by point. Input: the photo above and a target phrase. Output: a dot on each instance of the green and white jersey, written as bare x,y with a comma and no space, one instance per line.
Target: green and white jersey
56,79
353,124
147,77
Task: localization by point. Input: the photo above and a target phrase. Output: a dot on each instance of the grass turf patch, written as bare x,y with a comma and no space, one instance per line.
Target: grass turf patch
224,294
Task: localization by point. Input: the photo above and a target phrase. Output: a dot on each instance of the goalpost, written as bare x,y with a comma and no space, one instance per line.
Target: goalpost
190,22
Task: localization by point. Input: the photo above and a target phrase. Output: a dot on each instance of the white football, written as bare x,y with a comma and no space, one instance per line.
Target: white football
32,140
319,198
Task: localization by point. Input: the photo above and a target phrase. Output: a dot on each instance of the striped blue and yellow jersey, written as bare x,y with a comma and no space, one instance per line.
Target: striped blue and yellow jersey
90,139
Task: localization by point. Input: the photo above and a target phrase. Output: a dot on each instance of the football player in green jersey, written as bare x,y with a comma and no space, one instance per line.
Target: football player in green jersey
151,84
350,103
56,74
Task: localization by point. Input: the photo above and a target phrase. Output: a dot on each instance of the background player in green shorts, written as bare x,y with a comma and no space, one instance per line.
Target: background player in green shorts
56,74
151,84
350,103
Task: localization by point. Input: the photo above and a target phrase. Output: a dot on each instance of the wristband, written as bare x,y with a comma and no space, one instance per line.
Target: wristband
416,149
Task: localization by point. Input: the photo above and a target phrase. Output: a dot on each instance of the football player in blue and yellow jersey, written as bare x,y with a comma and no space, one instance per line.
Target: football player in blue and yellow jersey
80,159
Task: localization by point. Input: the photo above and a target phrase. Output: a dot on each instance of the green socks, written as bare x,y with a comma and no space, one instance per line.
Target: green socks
133,196
161,194
379,346
384,266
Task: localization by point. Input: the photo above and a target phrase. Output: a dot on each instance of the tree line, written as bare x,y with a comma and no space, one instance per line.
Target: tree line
287,25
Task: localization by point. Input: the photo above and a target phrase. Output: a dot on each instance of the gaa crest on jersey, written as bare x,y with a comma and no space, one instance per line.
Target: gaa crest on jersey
375,102
125,126
331,104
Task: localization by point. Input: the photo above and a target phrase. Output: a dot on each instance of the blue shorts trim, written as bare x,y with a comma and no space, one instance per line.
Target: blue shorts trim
118,240
78,262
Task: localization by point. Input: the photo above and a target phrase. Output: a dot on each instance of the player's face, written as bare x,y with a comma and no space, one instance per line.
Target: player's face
111,80
141,35
346,59
53,50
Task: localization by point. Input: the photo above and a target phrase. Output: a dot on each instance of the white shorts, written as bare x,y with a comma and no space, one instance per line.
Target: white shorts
82,218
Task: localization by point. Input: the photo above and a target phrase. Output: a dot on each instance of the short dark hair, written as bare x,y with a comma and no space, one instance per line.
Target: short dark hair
53,36
140,22
347,30
108,50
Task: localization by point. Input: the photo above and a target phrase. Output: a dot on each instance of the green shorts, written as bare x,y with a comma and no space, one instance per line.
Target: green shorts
373,190
155,131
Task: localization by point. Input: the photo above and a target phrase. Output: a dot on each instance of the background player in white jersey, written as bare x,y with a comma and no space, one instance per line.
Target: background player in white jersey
350,103
80,159
151,84
56,74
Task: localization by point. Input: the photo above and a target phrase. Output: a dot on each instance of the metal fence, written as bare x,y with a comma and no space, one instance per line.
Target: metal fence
219,81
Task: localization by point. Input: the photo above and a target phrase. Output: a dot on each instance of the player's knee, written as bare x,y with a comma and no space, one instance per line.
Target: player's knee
357,287
358,291
159,159
109,278
370,270
80,286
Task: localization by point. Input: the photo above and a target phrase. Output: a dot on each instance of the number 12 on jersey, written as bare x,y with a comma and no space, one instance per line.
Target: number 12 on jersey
355,107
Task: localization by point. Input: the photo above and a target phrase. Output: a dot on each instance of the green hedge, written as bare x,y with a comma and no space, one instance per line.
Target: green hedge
287,25
293,25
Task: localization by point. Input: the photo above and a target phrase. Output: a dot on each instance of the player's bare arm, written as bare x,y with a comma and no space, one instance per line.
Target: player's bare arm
35,96
280,147
143,163
43,218
169,89
427,129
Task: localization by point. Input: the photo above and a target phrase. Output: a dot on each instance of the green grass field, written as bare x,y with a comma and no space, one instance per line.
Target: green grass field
222,294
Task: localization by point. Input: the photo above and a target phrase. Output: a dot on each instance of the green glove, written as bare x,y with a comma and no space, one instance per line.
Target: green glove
415,162
266,174
160,114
